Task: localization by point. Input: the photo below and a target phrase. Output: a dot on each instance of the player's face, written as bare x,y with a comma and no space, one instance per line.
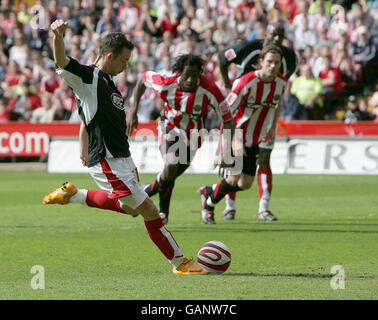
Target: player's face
270,65
119,63
274,36
189,78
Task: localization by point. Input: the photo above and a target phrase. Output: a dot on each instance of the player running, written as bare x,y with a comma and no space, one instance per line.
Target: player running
254,99
188,97
245,55
104,145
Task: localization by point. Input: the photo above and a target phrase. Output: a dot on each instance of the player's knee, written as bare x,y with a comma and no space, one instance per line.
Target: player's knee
148,210
169,172
245,185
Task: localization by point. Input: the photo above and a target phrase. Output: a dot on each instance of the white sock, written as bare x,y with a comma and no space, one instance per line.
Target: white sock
230,204
79,197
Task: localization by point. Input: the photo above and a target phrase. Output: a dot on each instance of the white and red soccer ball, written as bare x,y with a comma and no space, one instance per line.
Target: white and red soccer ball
214,256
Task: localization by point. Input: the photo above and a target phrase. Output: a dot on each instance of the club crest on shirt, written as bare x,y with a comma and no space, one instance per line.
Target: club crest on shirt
117,101
230,54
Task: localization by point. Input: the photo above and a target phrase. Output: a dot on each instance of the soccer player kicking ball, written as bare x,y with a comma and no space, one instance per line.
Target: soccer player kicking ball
104,145
188,97
253,100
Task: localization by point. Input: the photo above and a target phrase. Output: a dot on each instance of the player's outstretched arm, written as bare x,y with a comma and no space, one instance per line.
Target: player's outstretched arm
224,72
132,116
58,27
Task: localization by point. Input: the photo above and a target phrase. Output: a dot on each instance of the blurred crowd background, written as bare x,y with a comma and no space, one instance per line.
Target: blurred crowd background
337,42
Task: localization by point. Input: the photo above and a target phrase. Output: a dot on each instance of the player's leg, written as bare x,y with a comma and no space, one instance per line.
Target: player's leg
265,184
211,195
230,209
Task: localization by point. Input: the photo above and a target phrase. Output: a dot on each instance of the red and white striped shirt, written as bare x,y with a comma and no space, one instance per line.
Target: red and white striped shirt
253,102
183,109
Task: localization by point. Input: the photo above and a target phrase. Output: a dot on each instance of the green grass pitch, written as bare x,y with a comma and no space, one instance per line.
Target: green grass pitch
86,253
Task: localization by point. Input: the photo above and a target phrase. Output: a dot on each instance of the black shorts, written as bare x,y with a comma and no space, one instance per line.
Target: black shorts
250,161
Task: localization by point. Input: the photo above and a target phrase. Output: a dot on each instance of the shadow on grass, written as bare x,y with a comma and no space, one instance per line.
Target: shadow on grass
293,275
252,229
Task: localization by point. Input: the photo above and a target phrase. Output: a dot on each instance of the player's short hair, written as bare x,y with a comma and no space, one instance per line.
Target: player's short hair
270,48
186,60
114,42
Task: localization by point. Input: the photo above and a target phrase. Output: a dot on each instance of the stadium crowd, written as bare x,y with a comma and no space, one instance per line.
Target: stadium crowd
336,40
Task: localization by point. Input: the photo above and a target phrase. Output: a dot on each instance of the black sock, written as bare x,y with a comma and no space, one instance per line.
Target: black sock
152,188
165,193
221,189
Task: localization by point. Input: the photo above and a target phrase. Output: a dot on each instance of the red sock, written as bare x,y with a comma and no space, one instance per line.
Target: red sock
163,239
232,195
99,199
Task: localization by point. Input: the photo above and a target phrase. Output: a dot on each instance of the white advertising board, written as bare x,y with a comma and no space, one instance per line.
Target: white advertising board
301,156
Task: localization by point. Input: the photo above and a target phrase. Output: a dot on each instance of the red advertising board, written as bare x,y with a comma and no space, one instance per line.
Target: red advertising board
32,139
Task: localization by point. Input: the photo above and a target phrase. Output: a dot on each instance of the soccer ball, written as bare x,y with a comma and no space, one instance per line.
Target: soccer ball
214,256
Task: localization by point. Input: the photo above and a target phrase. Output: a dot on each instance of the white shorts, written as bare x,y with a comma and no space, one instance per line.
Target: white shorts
119,178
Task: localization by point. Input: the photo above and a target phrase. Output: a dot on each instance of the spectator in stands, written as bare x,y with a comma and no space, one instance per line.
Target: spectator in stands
108,17
319,64
73,19
222,35
353,113
129,14
239,25
46,112
147,22
365,55
50,81
20,51
291,107
204,21
308,89
324,3
332,88
20,107
304,35
363,106
146,56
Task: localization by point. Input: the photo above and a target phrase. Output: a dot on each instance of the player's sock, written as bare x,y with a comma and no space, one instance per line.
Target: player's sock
99,199
165,193
79,197
264,183
164,240
230,201
221,189
153,188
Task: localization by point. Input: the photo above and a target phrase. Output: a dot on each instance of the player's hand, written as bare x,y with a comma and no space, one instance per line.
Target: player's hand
270,136
84,159
58,27
131,123
222,164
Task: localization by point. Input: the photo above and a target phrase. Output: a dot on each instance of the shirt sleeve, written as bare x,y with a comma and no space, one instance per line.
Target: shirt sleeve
75,75
236,53
156,81
235,97
220,105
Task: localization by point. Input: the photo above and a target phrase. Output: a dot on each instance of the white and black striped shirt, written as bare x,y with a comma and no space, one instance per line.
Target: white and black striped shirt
101,109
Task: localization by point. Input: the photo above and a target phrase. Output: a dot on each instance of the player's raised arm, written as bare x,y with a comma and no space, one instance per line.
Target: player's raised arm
58,27
224,73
